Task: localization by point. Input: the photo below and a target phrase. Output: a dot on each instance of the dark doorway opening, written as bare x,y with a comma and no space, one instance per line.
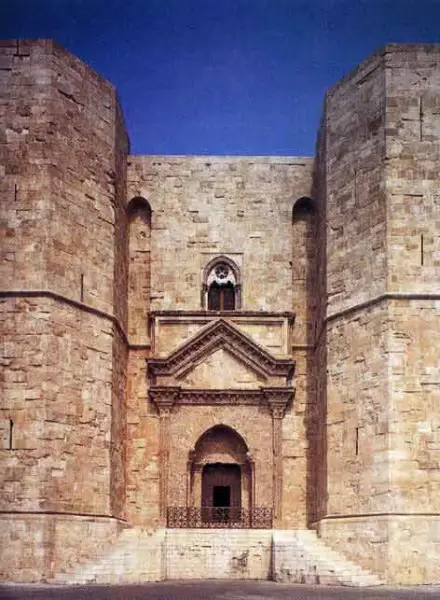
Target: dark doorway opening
221,492
221,496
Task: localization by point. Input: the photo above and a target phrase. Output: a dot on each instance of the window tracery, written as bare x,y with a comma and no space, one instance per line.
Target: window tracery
221,286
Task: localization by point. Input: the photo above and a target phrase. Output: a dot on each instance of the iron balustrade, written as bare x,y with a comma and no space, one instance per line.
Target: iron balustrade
217,517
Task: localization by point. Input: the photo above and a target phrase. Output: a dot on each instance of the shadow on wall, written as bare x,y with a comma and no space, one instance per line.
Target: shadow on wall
316,412
139,268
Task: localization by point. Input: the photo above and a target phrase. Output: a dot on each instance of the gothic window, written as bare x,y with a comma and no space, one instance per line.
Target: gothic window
221,286
221,297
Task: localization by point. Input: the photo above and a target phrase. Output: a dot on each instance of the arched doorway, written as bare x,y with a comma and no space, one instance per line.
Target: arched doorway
220,475
221,491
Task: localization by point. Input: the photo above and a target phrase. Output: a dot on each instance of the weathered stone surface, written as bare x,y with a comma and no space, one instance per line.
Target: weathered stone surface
322,382
379,357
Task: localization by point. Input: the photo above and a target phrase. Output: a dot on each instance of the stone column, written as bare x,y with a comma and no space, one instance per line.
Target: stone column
251,468
277,437
277,399
197,485
190,478
164,453
164,399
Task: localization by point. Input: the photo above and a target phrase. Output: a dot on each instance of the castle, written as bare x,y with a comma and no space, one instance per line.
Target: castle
238,350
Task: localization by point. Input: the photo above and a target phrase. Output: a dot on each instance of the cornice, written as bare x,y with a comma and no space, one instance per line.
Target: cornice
70,302
225,314
221,334
168,397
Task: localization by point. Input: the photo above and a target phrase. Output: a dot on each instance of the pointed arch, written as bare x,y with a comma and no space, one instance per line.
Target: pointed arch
220,474
221,285
220,439
304,253
139,264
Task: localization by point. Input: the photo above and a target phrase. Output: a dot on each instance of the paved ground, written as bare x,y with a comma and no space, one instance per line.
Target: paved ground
212,590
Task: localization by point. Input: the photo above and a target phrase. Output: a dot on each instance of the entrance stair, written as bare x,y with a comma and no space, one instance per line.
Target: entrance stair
135,557
299,556
296,556
218,553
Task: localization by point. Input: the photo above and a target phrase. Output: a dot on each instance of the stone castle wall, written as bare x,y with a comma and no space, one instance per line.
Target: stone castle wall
104,263
206,206
63,314
240,207
383,320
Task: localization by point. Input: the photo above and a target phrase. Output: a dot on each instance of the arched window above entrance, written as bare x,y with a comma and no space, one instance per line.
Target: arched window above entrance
221,286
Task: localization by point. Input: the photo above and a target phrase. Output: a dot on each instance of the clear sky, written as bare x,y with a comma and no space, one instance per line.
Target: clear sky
222,76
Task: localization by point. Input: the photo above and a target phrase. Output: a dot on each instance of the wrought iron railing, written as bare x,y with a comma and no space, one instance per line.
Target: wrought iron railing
216,517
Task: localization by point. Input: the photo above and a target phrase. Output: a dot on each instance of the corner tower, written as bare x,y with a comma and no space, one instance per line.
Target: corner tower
64,305
380,346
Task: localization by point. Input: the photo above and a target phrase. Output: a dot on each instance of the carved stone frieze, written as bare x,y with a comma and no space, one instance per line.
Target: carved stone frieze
228,397
276,398
221,334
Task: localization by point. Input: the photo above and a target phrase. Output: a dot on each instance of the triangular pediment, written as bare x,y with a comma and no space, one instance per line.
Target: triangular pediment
221,370
221,334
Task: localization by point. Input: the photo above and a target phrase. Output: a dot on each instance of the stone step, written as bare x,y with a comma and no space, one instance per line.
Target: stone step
298,556
218,553
136,556
302,557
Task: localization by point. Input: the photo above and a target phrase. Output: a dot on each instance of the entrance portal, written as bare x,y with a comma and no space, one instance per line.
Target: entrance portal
220,485
221,492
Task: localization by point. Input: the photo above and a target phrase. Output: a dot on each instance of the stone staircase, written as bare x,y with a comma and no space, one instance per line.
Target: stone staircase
140,555
218,554
135,557
301,557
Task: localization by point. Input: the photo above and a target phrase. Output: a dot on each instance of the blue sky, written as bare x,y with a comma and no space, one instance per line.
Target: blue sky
222,76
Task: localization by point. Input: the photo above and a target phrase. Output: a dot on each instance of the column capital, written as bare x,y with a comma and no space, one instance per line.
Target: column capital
278,399
164,398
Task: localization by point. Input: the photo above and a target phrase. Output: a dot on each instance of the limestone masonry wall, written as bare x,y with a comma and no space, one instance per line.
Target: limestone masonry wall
322,384
62,153
237,206
230,554
240,207
356,342
382,358
413,155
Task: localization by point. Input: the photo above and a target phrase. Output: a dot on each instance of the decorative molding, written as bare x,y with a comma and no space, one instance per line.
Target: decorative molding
261,314
62,299
60,513
276,398
378,515
70,302
214,397
164,398
367,304
221,334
